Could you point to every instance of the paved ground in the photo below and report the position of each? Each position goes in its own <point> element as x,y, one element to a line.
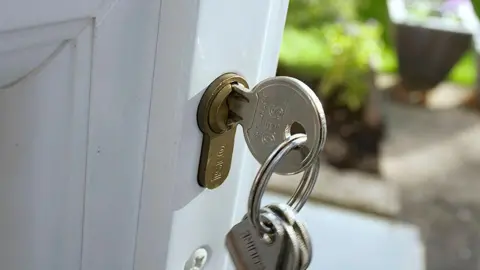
<point>434,157</point>
<point>439,153</point>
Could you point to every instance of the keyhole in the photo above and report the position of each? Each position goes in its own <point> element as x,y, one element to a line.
<point>294,128</point>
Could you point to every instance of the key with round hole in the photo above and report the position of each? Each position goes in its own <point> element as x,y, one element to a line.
<point>270,112</point>
<point>273,110</point>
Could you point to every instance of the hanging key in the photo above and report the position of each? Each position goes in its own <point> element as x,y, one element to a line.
<point>277,250</point>
<point>288,215</point>
<point>291,247</point>
<point>249,250</point>
<point>296,250</point>
<point>270,112</point>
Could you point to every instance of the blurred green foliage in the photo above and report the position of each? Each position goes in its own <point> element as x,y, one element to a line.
<point>317,42</point>
<point>338,53</point>
<point>314,13</point>
<point>326,39</point>
<point>476,6</point>
<point>376,10</point>
<point>465,71</point>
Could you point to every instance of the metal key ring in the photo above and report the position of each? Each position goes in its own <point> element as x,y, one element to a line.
<point>301,194</point>
<point>304,189</point>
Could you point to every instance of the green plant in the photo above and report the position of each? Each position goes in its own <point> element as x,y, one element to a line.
<point>378,11</point>
<point>476,7</point>
<point>352,47</point>
<point>314,13</point>
<point>323,38</point>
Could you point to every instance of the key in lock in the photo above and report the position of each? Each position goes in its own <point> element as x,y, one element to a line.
<point>270,112</point>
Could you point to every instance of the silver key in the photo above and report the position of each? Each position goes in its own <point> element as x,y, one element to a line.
<point>293,246</point>
<point>288,215</point>
<point>273,110</point>
<point>250,251</point>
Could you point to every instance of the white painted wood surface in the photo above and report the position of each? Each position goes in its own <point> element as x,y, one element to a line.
<point>211,45</point>
<point>44,94</point>
<point>75,94</point>
<point>98,133</point>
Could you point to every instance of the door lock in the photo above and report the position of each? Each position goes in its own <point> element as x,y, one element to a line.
<point>272,111</point>
<point>218,131</point>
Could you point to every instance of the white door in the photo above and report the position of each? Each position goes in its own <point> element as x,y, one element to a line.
<point>99,145</point>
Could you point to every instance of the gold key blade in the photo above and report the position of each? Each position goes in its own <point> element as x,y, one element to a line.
<point>218,133</point>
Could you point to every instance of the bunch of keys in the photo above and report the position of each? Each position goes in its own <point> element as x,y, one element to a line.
<point>272,238</point>
<point>287,246</point>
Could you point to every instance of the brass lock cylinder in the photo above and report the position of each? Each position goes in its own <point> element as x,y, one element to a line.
<point>218,131</point>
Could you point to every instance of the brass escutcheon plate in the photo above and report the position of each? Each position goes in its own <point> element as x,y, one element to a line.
<point>218,136</point>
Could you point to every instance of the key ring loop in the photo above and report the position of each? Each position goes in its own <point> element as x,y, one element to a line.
<point>301,194</point>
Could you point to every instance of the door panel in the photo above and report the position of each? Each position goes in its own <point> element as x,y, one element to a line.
<point>212,37</point>
<point>122,70</point>
<point>18,14</point>
<point>44,91</point>
<point>94,211</point>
